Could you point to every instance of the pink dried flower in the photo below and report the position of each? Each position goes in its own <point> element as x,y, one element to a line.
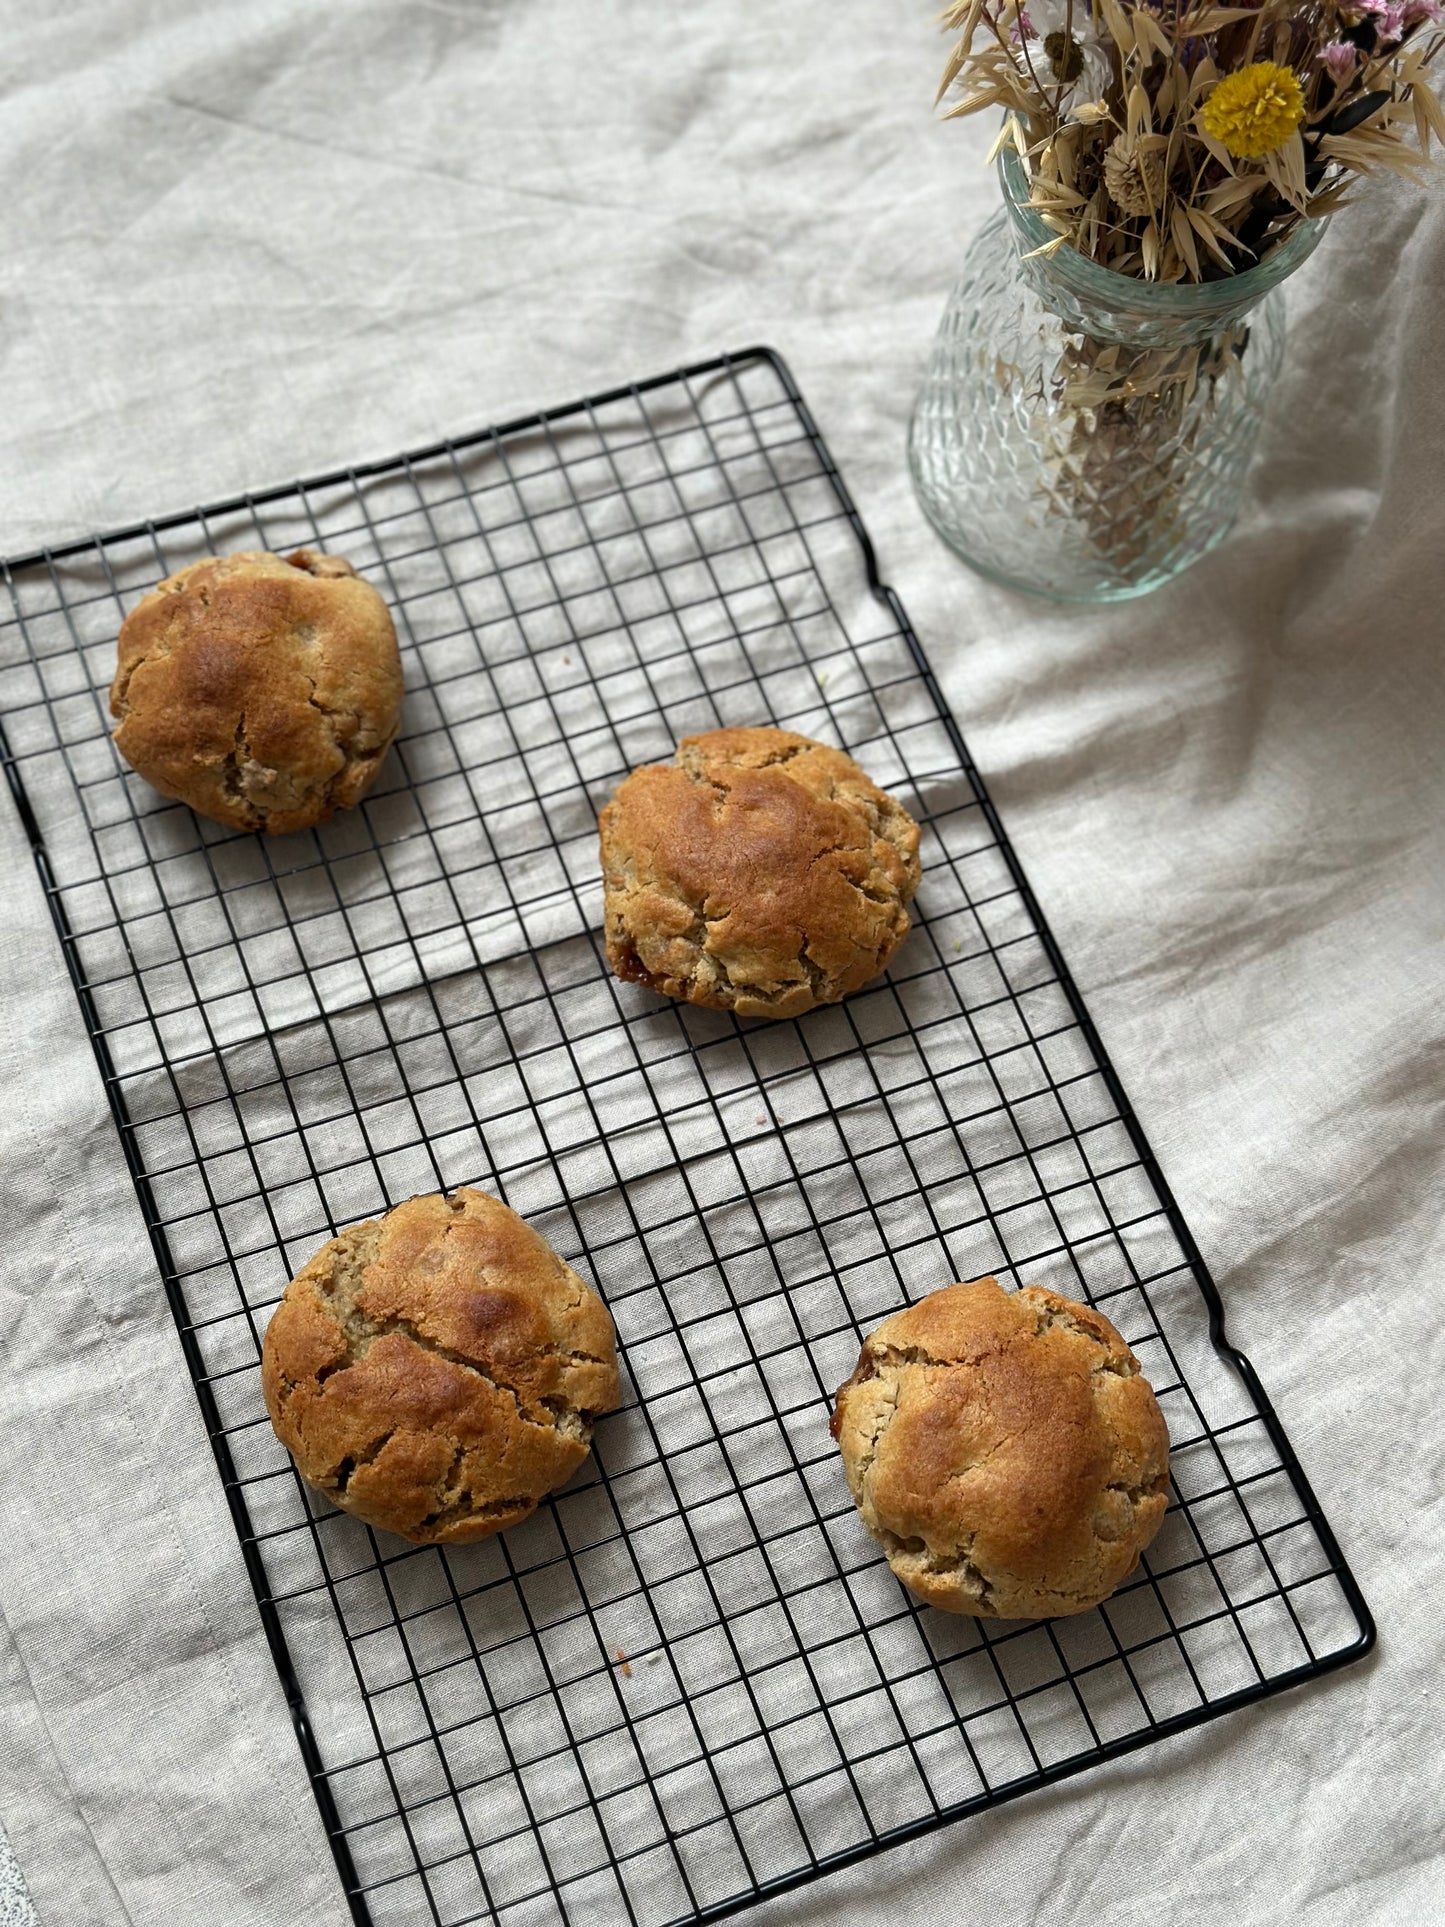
<point>1388,15</point>
<point>1339,59</point>
<point>1418,10</point>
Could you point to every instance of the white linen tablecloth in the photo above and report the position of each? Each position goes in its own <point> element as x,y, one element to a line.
<point>248,242</point>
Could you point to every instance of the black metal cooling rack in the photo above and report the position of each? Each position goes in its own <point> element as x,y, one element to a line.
<point>690,1680</point>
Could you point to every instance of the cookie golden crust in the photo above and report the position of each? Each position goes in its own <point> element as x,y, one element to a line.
<point>759,872</point>
<point>435,1372</point>
<point>1005,1451</point>
<point>263,692</point>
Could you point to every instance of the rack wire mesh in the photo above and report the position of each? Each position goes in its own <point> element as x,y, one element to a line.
<point>689,1680</point>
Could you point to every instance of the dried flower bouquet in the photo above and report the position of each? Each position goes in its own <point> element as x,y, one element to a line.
<point>1182,142</point>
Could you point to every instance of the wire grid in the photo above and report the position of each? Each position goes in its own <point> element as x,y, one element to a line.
<point>690,1679</point>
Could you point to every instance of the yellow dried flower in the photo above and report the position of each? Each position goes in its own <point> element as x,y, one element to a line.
<point>1255,110</point>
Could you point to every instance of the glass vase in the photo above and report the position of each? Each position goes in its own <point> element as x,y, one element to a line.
<point>1083,434</point>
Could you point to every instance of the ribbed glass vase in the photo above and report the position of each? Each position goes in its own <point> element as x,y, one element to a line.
<point>1083,434</point>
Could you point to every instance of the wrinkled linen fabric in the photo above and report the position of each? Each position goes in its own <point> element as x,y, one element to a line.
<point>246,243</point>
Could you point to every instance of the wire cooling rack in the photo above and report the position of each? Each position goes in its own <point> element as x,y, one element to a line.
<point>689,1680</point>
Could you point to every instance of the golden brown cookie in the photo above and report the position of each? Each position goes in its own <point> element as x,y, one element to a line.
<point>1005,1451</point>
<point>262,692</point>
<point>436,1371</point>
<point>759,872</point>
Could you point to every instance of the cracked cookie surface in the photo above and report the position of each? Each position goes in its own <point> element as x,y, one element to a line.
<point>436,1371</point>
<point>759,872</point>
<point>263,692</point>
<point>1005,1450</point>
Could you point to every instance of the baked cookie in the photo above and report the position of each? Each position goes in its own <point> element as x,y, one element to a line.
<point>759,872</point>
<point>436,1371</point>
<point>1005,1451</point>
<point>262,692</point>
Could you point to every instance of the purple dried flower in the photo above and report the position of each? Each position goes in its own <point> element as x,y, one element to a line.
<point>1418,10</point>
<point>1339,59</point>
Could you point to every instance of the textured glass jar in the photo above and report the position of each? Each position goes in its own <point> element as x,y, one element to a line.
<point>1083,434</point>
